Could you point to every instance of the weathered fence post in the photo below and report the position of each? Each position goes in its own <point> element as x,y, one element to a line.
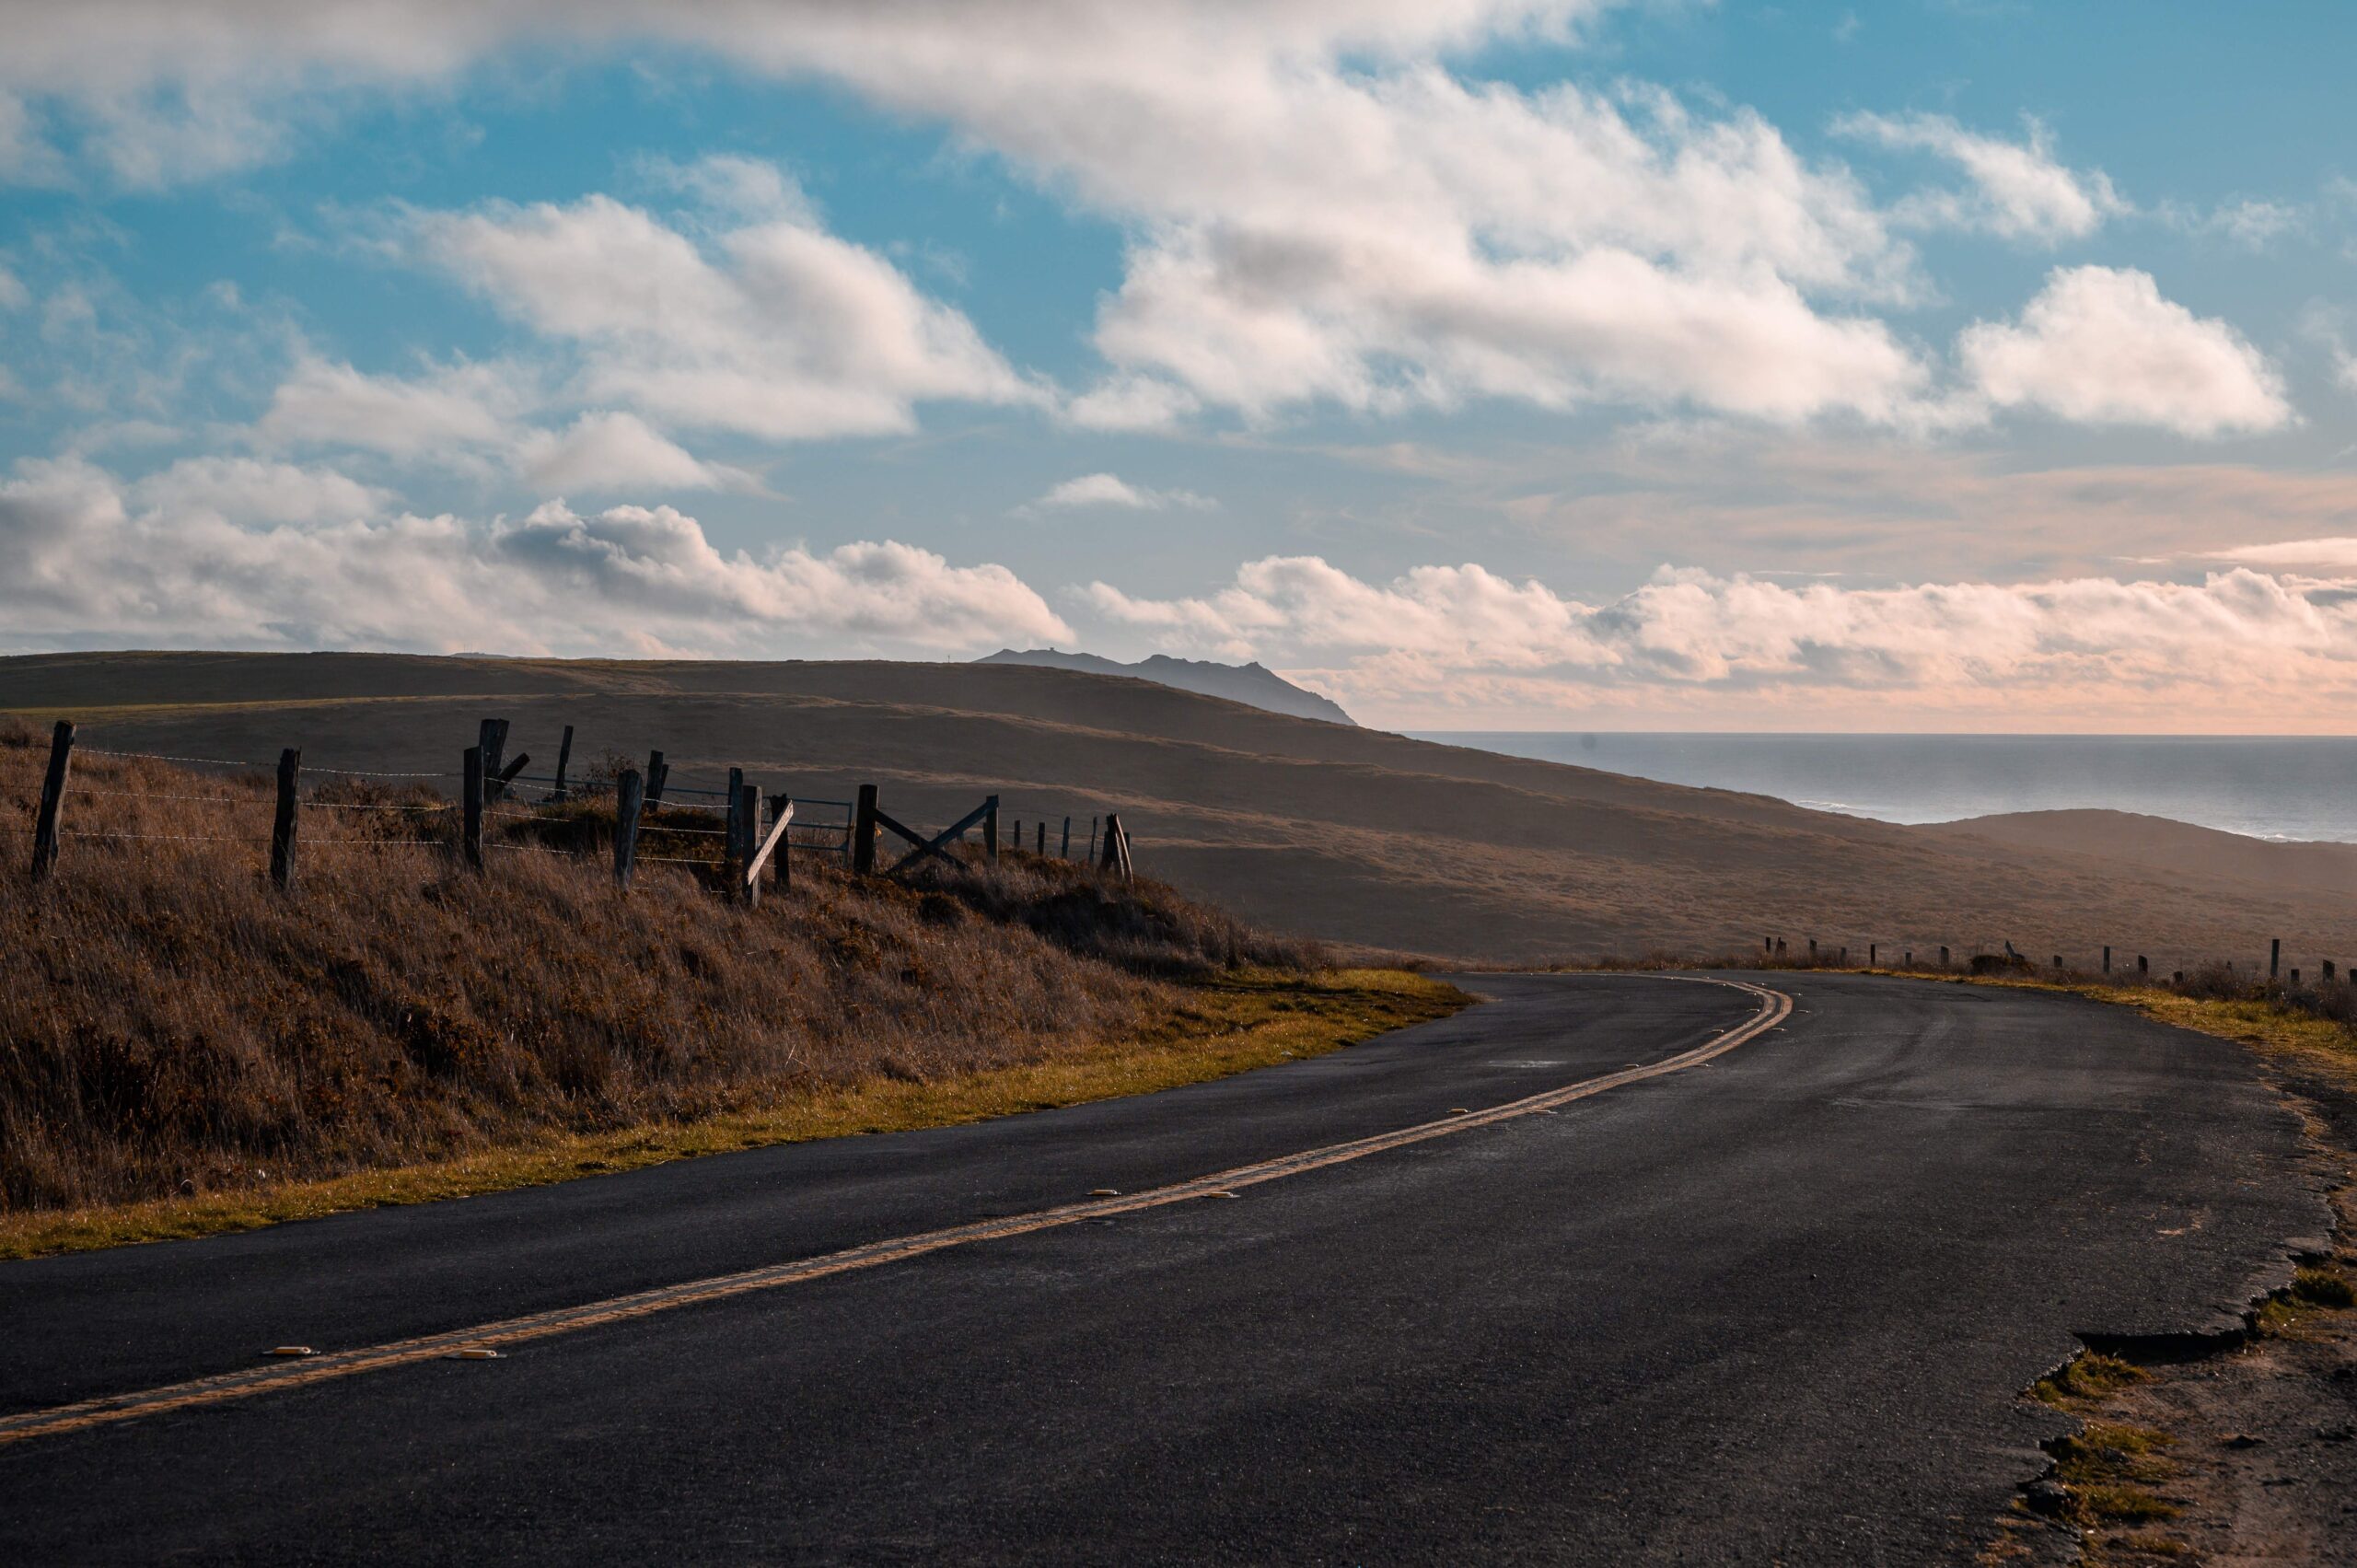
<point>2143,965</point>
<point>1043,850</point>
<point>1944,957</point>
<point>470,806</point>
<point>2106,957</point>
<point>53,798</point>
<point>990,828</point>
<point>2058,960</point>
<point>657,773</point>
<point>630,795</point>
<point>1812,949</point>
<point>733,852</point>
<point>1092,841</point>
<point>563,755</point>
<point>781,809</point>
<point>1018,840</point>
<point>1065,853</point>
<point>1910,957</point>
<point>492,739</point>
<point>1766,944</point>
<point>1873,949</point>
<point>863,832</point>
<point>282,828</point>
<point>1117,847</point>
<point>2328,970</point>
<point>2274,958</point>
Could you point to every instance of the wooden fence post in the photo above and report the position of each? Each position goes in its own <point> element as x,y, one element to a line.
<point>1043,850</point>
<point>990,828</point>
<point>630,795</point>
<point>1065,853</point>
<point>2143,965</point>
<point>1018,835</point>
<point>2106,957</point>
<point>1872,948</point>
<point>1944,957</point>
<point>782,806</point>
<point>563,755</point>
<point>53,798</point>
<point>732,844</point>
<point>470,806</point>
<point>1117,847</point>
<point>492,739</point>
<point>2274,958</point>
<point>657,771</point>
<point>1910,957</point>
<point>282,830</point>
<point>862,833</point>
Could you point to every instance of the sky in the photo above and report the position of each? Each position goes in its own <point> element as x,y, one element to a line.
<point>1932,365</point>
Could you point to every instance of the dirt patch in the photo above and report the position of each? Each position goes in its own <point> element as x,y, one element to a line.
<point>2247,1455</point>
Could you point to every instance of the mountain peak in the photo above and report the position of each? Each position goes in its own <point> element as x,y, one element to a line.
<point>1253,684</point>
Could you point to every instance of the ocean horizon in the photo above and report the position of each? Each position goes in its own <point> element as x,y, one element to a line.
<point>2276,787</point>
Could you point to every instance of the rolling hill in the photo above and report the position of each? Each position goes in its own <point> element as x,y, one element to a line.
<point>1350,834</point>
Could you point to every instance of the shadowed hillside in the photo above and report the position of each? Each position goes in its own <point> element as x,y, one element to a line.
<point>1331,830</point>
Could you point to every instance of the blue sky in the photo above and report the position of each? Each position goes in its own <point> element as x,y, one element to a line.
<point>1487,363</point>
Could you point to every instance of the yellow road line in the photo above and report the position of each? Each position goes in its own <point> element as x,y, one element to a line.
<point>1774,1006</point>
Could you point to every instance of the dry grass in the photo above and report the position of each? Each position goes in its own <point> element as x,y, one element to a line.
<point>174,1026</point>
<point>1222,1026</point>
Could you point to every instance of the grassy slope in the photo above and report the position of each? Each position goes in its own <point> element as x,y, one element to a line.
<point>178,1037</point>
<point>1212,1029</point>
<point>1350,834</point>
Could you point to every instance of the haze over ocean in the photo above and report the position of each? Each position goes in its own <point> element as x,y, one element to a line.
<point>2269,787</point>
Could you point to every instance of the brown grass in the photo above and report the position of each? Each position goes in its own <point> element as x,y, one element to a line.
<point>173,1026</point>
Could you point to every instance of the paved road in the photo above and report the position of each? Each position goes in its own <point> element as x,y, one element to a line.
<point>1775,1307</point>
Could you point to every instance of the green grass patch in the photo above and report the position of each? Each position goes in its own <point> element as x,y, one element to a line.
<point>1221,1027</point>
<point>2089,1377</point>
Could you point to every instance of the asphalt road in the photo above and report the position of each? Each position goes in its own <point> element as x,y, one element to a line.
<point>1777,1307</point>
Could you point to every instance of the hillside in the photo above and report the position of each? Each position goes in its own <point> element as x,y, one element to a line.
<point>1322,828</point>
<point>1254,684</point>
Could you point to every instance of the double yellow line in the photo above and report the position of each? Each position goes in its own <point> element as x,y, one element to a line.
<point>1774,1006</point>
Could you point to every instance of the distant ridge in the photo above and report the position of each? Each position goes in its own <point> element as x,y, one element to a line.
<point>1254,683</point>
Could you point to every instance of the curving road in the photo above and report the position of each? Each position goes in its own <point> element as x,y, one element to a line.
<point>1770,1296</point>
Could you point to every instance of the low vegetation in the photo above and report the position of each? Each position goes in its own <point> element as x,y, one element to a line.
<point>176,1033</point>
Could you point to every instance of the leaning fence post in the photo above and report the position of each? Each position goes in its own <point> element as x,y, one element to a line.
<point>630,794</point>
<point>863,832</point>
<point>53,798</point>
<point>282,830</point>
<point>990,828</point>
<point>470,806</point>
<point>563,755</point>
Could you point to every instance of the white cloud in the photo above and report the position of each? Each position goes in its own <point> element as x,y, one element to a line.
<point>2100,346</point>
<point>13,295</point>
<point>1444,635</point>
<point>250,491</point>
<point>80,554</point>
<point>2338,553</point>
<point>324,403</point>
<point>781,330</point>
<point>615,451</point>
<point>1131,402</point>
<point>2017,189</point>
<point>1111,490</point>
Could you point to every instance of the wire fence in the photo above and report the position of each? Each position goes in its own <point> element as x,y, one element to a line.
<point>631,815</point>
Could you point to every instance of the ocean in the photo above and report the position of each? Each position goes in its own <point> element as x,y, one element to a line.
<point>2268,787</point>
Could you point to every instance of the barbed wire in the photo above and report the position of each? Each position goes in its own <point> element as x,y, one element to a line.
<point>146,795</point>
<point>159,757</point>
<point>371,805</point>
<point>171,838</point>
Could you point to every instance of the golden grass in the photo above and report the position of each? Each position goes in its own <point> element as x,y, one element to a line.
<point>1217,1027</point>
